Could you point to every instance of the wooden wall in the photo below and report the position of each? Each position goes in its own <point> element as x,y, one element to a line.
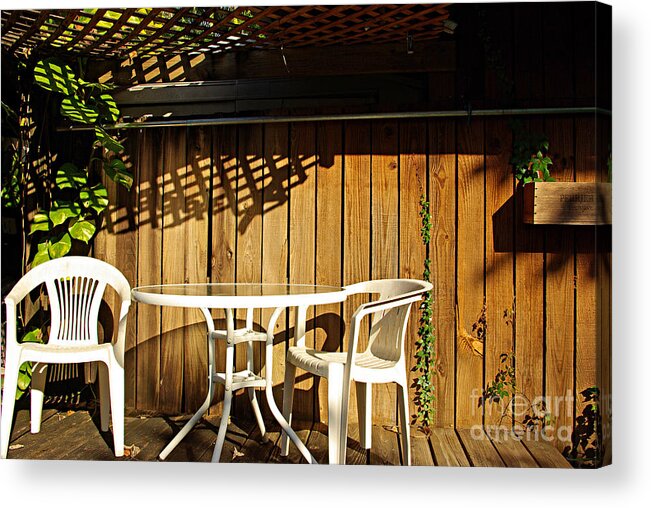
<point>336,203</point>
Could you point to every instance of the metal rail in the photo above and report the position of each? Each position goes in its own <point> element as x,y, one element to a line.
<point>350,116</point>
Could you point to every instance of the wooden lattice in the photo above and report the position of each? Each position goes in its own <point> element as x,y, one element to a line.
<point>117,33</point>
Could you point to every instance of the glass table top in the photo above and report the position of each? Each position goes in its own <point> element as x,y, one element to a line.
<point>234,290</point>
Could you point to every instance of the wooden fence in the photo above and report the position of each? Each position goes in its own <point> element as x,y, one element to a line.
<point>338,202</point>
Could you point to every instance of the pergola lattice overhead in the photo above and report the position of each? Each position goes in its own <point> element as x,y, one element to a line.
<point>118,33</point>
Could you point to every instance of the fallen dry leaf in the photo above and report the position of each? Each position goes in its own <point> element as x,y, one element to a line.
<point>16,446</point>
<point>131,451</point>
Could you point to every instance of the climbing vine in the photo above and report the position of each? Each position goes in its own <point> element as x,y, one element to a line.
<point>425,344</point>
<point>60,203</point>
<point>77,205</point>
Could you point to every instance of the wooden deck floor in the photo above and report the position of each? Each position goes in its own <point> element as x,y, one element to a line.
<point>75,435</point>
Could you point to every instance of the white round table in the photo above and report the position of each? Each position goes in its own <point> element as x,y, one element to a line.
<point>231,296</point>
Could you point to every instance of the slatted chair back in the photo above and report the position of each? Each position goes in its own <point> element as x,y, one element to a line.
<point>388,322</point>
<point>75,288</point>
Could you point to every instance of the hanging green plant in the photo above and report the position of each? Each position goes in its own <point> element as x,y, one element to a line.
<point>74,213</point>
<point>530,159</point>
<point>425,396</point>
<point>70,201</point>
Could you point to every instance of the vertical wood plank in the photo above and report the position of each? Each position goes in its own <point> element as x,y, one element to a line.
<point>529,242</point>
<point>529,305</point>
<point>498,26</point>
<point>499,259</point>
<point>357,222</point>
<point>584,44</point>
<point>149,262</point>
<point>250,196</point>
<point>302,248</point>
<point>275,237</point>
<point>558,60</point>
<point>442,188</point>
<point>604,284</point>
<point>329,180</point>
<point>174,235</point>
<point>384,236</point>
<point>197,206</point>
<point>559,295</point>
<point>528,54</point>
<point>412,185</point>
<point>117,244</point>
<point>124,240</point>
<point>470,268</point>
<point>224,224</point>
<point>587,337</point>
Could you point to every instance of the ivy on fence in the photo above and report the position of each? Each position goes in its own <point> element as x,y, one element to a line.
<point>425,344</point>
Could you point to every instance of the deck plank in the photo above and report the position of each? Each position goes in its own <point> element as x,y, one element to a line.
<point>385,447</point>
<point>421,454</point>
<point>58,434</point>
<point>546,455</point>
<point>76,436</point>
<point>481,452</point>
<point>317,443</point>
<point>255,449</point>
<point>22,423</point>
<point>302,429</point>
<point>238,434</point>
<point>513,452</point>
<point>355,454</point>
<point>447,448</point>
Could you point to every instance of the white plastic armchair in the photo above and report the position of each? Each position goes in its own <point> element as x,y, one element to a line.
<point>383,361</point>
<point>75,287</point>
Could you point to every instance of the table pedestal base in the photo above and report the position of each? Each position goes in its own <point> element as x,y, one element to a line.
<point>244,379</point>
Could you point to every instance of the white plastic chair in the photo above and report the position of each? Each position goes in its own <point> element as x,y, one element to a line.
<point>75,287</point>
<point>383,361</point>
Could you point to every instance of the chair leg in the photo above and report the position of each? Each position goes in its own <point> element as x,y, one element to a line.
<point>364,398</point>
<point>335,392</point>
<point>39,378</point>
<point>288,401</point>
<point>104,396</point>
<point>403,412</point>
<point>8,403</point>
<point>116,381</point>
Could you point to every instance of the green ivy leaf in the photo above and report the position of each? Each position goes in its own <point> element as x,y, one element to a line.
<point>70,176</point>
<point>55,76</point>
<point>35,335</point>
<point>60,247</point>
<point>40,222</point>
<point>83,230</point>
<point>108,108</point>
<point>107,141</point>
<point>25,376</point>
<point>96,197</point>
<point>62,211</point>
<point>42,255</point>
<point>117,171</point>
<point>76,110</point>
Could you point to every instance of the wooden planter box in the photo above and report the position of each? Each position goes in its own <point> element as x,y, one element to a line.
<point>575,203</point>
